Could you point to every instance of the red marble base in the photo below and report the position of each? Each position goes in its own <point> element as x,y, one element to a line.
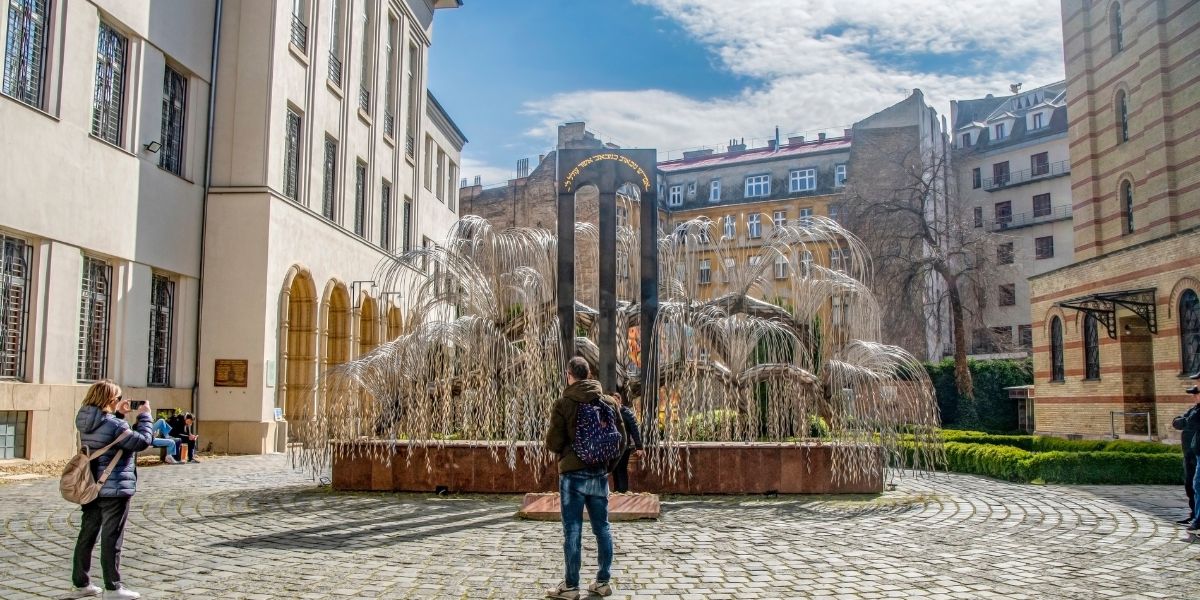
<point>621,507</point>
<point>713,468</point>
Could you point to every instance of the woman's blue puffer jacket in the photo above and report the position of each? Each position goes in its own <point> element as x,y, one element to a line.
<point>98,429</point>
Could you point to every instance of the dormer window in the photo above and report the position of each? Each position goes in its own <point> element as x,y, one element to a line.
<point>1037,121</point>
<point>966,139</point>
<point>999,131</point>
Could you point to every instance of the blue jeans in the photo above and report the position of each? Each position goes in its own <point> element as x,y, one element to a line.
<point>168,443</point>
<point>1196,507</point>
<point>576,489</point>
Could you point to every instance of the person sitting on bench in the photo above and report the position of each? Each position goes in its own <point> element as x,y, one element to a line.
<point>161,428</point>
<point>183,427</point>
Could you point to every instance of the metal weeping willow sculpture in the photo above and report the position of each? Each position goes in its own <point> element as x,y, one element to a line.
<point>784,354</point>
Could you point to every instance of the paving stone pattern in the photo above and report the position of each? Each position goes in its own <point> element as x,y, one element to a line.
<point>251,528</point>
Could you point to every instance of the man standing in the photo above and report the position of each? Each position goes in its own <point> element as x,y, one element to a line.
<point>1189,424</point>
<point>580,484</point>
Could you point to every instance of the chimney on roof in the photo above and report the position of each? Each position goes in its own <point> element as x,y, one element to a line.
<point>821,137</point>
<point>771,144</point>
<point>737,146</point>
<point>845,133</point>
<point>690,154</point>
<point>795,139</point>
<point>462,182</point>
<point>541,158</point>
<point>478,180</point>
<point>522,167</point>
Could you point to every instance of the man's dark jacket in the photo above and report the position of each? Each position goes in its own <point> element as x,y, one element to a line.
<point>1189,423</point>
<point>562,422</point>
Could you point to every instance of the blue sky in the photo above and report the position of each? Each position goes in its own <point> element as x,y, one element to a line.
<point>675,74</point>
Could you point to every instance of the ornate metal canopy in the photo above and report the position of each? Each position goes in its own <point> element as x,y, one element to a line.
<point>1103,307</point>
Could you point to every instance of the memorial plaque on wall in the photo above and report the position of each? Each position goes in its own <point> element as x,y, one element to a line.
<point>230,372</point>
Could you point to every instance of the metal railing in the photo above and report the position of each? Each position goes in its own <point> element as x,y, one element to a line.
<point>410,145</point>
<point>1056,213</point>
<point>364,99</point>
<point>389,124</point>
<point>335,69</point>
<point>299,33</point>
<point>1045,171</point>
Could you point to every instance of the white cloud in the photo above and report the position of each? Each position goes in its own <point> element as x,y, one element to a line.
<point>824,64</point>
<point>488,173</point>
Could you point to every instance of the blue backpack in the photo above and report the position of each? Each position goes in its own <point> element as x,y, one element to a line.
<point>597,438</point>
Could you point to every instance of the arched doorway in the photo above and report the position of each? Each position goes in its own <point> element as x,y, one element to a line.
<point>368,325</point>
<point>298,334</point>
<point>395,324</point>
<point>336,328</point>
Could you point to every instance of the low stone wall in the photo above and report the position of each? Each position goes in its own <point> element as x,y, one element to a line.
<point>713,468</point>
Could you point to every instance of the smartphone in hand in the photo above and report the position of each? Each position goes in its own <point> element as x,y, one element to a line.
<point>136,404</point>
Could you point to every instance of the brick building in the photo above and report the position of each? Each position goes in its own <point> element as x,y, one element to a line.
<point>1012,165</point>
<point>1118,331</point>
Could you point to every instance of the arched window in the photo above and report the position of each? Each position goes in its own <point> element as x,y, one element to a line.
<point>1189,332</point>
<point>1116,30</point>
<point>1056,350</point>
<point>1091,348</point>
<point>1127,205</point>
<point>1122,110</point>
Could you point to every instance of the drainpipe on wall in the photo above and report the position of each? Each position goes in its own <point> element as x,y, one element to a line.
<point>208,153</point>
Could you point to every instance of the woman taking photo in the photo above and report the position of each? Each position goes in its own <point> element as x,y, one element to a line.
<point>100,421</point>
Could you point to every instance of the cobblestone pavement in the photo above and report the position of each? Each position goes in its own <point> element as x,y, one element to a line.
<point>251,528</point>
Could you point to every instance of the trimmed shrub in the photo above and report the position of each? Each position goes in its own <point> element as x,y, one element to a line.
<point>708,426</point>
<point>991,409</point>
<point>1105,468</point>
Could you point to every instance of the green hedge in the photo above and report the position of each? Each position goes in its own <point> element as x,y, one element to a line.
<point>1039,443</point>
<point>991,409</point>
<point>1061,466</point>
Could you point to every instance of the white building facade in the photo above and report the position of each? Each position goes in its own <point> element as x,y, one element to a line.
<point>1012,162</point>
<point>218,278</point>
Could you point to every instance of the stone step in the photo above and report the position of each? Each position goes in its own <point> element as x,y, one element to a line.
<point>621,507</point>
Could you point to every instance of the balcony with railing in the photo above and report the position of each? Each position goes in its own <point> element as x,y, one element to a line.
<point>1045,171</point>
<point>335,69</point>
<point>299,33</point>
<point>364,99</point>
<point>1056,213</point>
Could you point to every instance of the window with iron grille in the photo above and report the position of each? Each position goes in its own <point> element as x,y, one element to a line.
<point>1056,350</point>
<point>108,101</point>
<point>1041,205</point>
<point>94,303</point>
<point>360,199</point>
<point>1043,247</point>
<point>385,216</point>
<point>25,51</point>
<point>162,319</point>
<point>173,116</point>
<point>1189,332</point>
<point>389,94</point>
<point>335,42</point>
<point>15,257</point>
<point>1008,294</point>
<point>413,101</point>
<point>1004,253</point>
<point>367,59</point>
<point>705,270</point>
<point>300,24</point>
<point>1091,348</point>
<point>1123,116</point>
<point>408,224</point>
<point>14,425</point>
<point>328,196</point>
<point>291,156</point>
<point>1127,205</point>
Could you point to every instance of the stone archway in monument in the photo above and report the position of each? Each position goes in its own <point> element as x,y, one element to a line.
<point>298,344</point>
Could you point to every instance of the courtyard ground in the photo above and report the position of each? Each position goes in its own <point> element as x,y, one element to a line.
<point>252,528</point>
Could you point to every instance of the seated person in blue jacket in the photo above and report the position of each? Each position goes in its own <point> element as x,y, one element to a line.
<point>163,439</point>
<point>184,428</point>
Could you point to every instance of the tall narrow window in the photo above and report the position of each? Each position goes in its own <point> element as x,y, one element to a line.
<point>1056,350</point>
<point>1000,174</point>
<point>727,272</point>
<point>367,59</point>
<point>360,199</point>
<point>174,116</point>
<point>1003,212</point>
<point>440,177</point>
<point>781,267</point>
<point>451,185</point>
<point>1041,205</point>
<point>806,260</point>
<point>25,52</point>
<point>730,226</point>
<point>839,175</point>
<point>966,140</point>
<point>1008,294</point>
<point>385,216</point>
<point>94,304</point>
<point>429,163</point>
<point>408,224</point>
<point>336,35</point>
<point>108,101</point>
<point>714,190</point>
<point>162,309</point>
<point>1091,348</point>
<point>1004,253</point>
<point>1116,28</point>
<point>705,270</point>
<point>806,216</point>
<point>1127,205</point>
<point>291,156</point>
<point>329,193</point>
<point>389,79</point>
<point>1037,121</point>
<point>1039,164</point>
<point>999,129</point>
<point>15,257</point>
<point>754,225</point>
<point>300,25</point>
<point>1189,332</point>
<point>675,196</point>
<point>978,214</point>
<point>976,178</point>
<point>1122,117</point>
<point>413,101</point>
